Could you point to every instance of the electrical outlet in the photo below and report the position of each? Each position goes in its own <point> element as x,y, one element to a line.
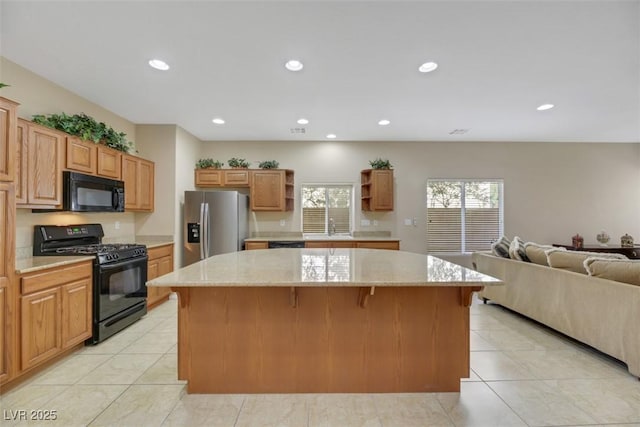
<point>365,222</point>
<point>117,225</point>
<point>282,223</point>
<point>375,222</point>
<point>408,222</point>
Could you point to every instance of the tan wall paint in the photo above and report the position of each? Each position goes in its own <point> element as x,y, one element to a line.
<point>37,95</point>
<point>552,190</point>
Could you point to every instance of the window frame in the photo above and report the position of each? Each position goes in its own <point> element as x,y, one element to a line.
<point>326,185</point>
<point>463,181</point>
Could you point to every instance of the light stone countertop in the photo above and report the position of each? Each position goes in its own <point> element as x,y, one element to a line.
<point>327,267</point>
<point>35,263</point>
<point>148,241</point>
<point>334,238</point>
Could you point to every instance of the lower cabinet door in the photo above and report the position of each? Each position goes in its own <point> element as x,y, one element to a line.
<point>41,332</point>
<point>76,312</point>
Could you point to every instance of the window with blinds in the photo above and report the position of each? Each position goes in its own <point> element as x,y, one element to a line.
<point>463,215</point>
<point>321,203</point>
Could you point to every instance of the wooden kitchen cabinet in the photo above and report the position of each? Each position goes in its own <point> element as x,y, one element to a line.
<point>8,318</point>
<point>255,245</point>
<point>376,189</point>
<point>160,263</point>
<point>82,156</point>
<point>55,311</point>
<point>379,244</point>
<point>93,159</point>
<point>138,175</point>
<point>40,155</point>
<point>222,177</point>
<point>271,190</point>
<point>109,164</point>
<point>8,121</point>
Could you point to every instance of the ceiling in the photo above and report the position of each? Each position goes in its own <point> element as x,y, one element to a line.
<point>498,61</point>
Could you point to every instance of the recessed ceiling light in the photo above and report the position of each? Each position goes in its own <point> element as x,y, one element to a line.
<point>293,65</point>
<point>384,122</point>
<point>545,107</point>
<point>159,64</point>
<point>331,136</point>
<point>218,121</point>
<point>427,67</point>
<point>303,121</point>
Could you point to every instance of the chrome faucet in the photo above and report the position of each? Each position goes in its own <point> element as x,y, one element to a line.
<point>332,227</point>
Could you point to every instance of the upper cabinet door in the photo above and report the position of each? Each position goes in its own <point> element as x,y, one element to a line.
<point>138,176</point>
<point>8,131</point>
<point>109,162</point>
<point>44,171</point>
<point>81,155</point>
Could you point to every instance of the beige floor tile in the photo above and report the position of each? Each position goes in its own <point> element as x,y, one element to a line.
<point>78,405</point>
<point>560,364</point>
<point>408,410</point>
<point>541,403</point>
<point>114,344</point>
<point>606,400</point>
<point>121,369</point>
<point>480,344</point>
<point>328,410</point>
<point>152,343</point>
<point>472,376</point>
<point>72,369</point>
<point>173,350</point>
<point>497,365</point>
<point>273,410</point>
<point>168,325</point>
<point>164,371</point>
<point>210,410</point>
<point>27,398</point>
<point>144,325</point>
<point>485,322</point>
<point>477,405</point>
<point>141,405</point>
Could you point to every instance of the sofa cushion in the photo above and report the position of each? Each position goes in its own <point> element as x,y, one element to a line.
<point>574,260</point>
<point>620,270</point>
<point>535,252</point>
<point>501,247</point>
<point>516,250</point>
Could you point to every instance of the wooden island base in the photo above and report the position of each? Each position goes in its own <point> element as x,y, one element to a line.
<point>323,339</point>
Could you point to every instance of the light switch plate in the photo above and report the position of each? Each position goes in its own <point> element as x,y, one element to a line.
<point>407,221</point>
<point>365,222</point>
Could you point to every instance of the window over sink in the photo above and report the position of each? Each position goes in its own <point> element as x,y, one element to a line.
<point>327,208</point>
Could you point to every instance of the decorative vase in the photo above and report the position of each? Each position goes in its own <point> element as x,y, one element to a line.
<point>577,241</point>
<point>626,241</point>
<point>603,238</point>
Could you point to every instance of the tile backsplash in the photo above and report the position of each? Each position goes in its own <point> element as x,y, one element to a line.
<point>115,225</point>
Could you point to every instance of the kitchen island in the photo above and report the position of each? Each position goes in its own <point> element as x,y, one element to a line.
<point>323,321</point>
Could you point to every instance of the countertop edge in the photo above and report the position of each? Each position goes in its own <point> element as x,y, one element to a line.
<point>37,263</point>
<point>214,285</point>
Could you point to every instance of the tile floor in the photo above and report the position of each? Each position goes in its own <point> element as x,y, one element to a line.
<point>523,374</point>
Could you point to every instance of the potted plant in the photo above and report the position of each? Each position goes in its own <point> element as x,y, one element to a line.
<point>209,163</point>
<point>236,163</point>
<point>268,164</point>
<point>379,163</point>
<point>87,128</point>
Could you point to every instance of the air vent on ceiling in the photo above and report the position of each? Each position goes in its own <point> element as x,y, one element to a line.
<point>298,130</point>
<point>458,131</point>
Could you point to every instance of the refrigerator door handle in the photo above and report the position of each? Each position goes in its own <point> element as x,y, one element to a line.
<point>202,236</point>
<point>207,227</point>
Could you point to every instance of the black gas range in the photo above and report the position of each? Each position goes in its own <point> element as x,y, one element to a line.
<point>119,273</point>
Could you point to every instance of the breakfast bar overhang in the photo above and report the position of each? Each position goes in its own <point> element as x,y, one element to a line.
<point>323,321</point>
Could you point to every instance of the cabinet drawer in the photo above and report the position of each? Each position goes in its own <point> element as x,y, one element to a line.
<point>32,282</point>
<point>159,252</point>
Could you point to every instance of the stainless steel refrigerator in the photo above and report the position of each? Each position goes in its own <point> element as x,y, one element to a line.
<point>215,222</point>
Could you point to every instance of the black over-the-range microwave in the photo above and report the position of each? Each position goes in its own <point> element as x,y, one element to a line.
<point>87,193</point>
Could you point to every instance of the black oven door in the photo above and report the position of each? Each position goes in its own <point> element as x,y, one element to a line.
<point>120,286</point>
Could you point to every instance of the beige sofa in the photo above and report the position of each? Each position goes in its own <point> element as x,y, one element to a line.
<point>602,313</point>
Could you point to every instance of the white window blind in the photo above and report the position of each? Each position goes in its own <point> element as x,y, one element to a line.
<point>320,203</point>
<point>463,215</point>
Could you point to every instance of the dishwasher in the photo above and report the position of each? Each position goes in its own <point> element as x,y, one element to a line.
<point>286,244</point>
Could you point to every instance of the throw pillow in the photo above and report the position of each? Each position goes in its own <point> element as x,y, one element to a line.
<point>500,247</point>
<point>620,270</point>
<point>516,250</point>
<point>535,252</point>
<point>574,260</point>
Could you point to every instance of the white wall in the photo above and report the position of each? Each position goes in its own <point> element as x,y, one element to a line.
<point>552,190</point>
